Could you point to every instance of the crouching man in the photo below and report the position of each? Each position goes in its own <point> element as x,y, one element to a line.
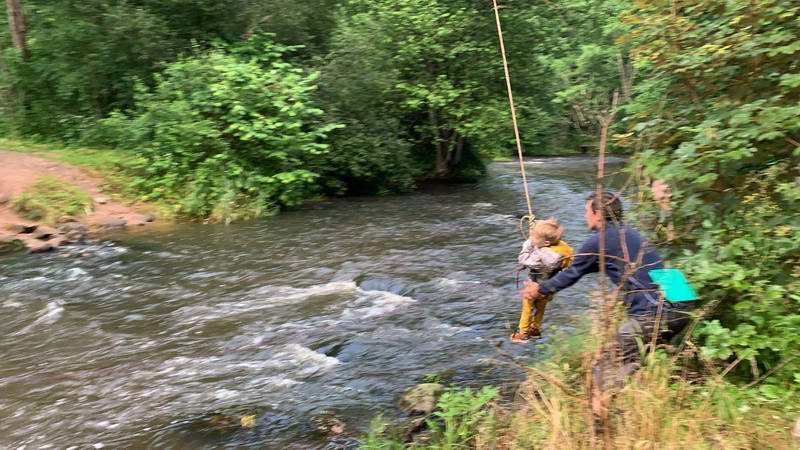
<point>627,256</point>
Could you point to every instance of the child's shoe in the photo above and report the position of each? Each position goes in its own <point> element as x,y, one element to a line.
<point>520,337</point>
<point>525,336</point>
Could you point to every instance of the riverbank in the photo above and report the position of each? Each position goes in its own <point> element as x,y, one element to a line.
<point>670,403</point>
<point>51,197</point>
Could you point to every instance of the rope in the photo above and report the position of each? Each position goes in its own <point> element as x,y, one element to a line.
<point>530,217</point>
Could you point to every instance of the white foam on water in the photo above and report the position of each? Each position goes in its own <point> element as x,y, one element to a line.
<point>449,282</point>
<point>502,219</point>
<point>225,394</point>
<point>304,356</point>
<point>379,303</point>
<point>483,205</point>
<point>288,293</point>
<point>447,329</point>
<point>75,274</point>
<point>262,298</point>
<point>51,314</point>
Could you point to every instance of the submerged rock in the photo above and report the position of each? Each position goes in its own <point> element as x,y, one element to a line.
<point>219,421</point>
<point>326,422</point>
<point>422,398</point>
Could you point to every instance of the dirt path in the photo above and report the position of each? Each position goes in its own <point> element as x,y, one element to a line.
<point>18,171</point>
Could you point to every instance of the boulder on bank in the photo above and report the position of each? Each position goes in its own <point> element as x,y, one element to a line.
<point>40,246</point>
<point>19,228</point>
<point>44,233</point>
<point>74,232</point>
<point>10,244</point>
<point>112,224</point>
<point>422,398</point>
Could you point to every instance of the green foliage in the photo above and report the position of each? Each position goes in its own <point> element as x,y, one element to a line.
<point>378,439</point>
<point>50,198</point>
<point>226,134</point>
<point>721,127</point>
<point>455,423</point>
<point>85,58</point>
<point>417,100</point>
<point>579,65</point>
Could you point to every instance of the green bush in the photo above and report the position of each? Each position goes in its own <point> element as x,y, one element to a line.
<point>454,425</point>
<point>720,124</point>
<point>51,198</point>
<point>226,134</point>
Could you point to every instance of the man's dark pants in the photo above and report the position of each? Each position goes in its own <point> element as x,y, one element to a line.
<point>635,333</point>
<point>638,331</point>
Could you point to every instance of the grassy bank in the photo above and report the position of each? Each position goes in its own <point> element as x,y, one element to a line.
<point>676,401</point>
<point>102,162</point>
<point>109,166</point>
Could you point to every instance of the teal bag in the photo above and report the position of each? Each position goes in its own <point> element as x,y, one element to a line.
<point>674,285</point>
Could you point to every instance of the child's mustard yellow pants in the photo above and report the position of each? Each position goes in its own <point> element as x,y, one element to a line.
<point>536,307</point>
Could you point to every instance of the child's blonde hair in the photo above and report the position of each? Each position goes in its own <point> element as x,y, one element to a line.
<point>549,230</point>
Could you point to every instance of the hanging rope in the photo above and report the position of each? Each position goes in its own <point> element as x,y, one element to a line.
<point>530,217</point>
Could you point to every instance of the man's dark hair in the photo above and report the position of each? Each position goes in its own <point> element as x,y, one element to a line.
<point>612,206</point>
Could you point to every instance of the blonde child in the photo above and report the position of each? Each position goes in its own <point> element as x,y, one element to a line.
<point>544,254</point>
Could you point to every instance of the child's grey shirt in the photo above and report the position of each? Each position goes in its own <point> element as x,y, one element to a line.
<point>541,261</point>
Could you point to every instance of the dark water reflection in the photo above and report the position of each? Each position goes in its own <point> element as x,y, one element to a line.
<point>335,308</point>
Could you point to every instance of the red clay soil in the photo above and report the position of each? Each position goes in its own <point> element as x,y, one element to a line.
<point>19,171</point>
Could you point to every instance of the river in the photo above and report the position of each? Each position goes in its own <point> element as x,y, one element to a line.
<point>333,309</point>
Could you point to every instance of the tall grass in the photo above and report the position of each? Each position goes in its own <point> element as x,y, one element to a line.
<point>677,400</point>
<point>665,405</point>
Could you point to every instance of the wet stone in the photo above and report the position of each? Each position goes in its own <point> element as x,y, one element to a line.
<point>44,233</point>
<point>326,422</point>
<point>422,398</point>
<point>40,247</point>
<point>67,219</point>
<point>16,228</point>
<point>113,224</point>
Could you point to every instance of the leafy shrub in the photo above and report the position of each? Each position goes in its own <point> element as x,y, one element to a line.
<point>460,412</point>
<point>721,126</point>
<point>51,198</point>
<point>455,424</point>
<point>226,134</point>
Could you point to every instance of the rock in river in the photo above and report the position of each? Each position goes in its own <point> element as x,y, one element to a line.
<point>422,398</point>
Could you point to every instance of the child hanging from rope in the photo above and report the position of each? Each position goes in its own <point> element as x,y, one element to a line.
<point>544,254</point>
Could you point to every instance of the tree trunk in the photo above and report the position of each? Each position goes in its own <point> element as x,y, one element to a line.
<point>459,151</point>
<point>16,23</point>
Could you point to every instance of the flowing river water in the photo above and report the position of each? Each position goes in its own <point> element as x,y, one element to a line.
<point>331,310</point>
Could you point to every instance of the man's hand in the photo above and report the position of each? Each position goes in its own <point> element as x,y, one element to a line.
<point>530,291</point>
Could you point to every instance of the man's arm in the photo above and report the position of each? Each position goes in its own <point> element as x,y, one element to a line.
<point>584,263</point>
